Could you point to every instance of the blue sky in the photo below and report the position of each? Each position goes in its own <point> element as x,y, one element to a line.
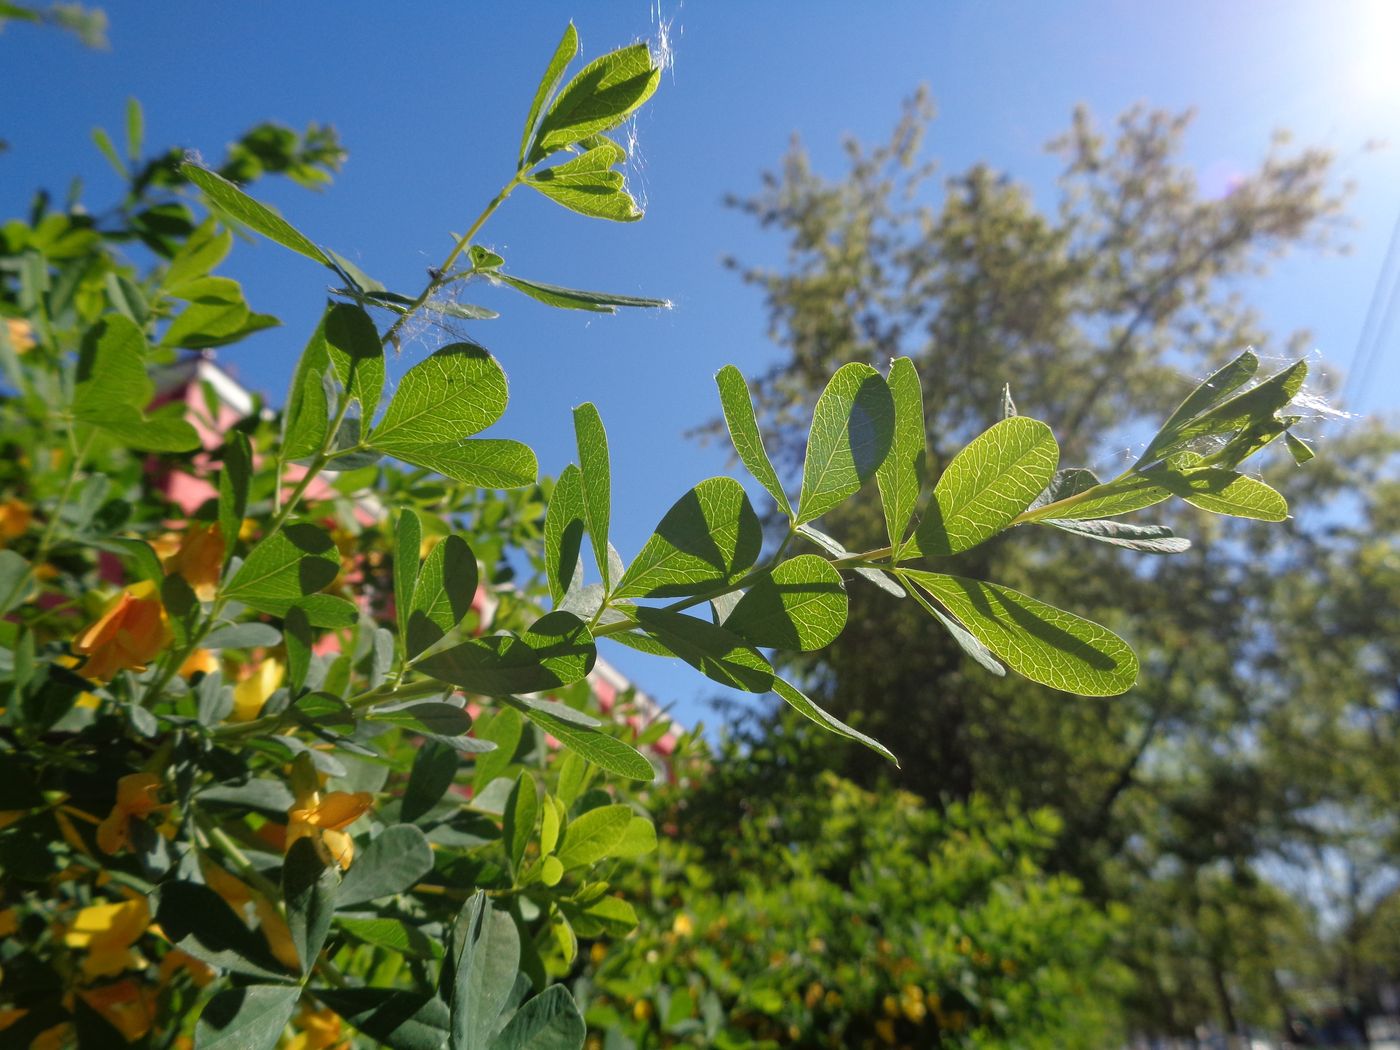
<point>429,99</point>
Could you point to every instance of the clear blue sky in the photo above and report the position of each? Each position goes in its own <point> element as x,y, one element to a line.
<point>429,99</point>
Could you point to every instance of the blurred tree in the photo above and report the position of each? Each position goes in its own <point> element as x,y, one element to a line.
<point>1265,720</point>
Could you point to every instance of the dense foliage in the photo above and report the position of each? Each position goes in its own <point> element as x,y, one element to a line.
<point>287,740</point>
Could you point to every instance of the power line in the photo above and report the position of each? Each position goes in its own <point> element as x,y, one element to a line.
<point>1367,353</point>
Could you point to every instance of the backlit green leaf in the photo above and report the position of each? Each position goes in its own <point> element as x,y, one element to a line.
<point>494,463</point>
<point>595,467</point>
<point>714,651</point>
<point>574,298</point>
<point>356,355</point>
<point>739,416</point>
<point>605,751</point>
<point>987,485</point>
<point>454,393</point>
<point>564,527</point>
<point>599,97</point>
<point>299,560</point>
<point>237,205</point>
<point>594,835</point>
<point>1227,492</point>
<point>556,650</point>
<point>443,595</point>
<point>899,475</point>
<point>565,53</point>
<point>408,541</point>
<point>589,185</point>
<point>852,429</point>
<point>1043,643</point>
<point>801,702</point>
<point>710,537</point>
<point>800,605</point>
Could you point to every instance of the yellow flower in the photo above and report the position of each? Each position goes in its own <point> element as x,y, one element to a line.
<point>131,631</point>
<point>9,922</point>
<point>14,519</point>
<point>642,1011</point>
<point>175,961</point>
<point>10,1014</point>
<point>915,1010</point>
<point>126,1006</point>
<point>199,661</point>
<point>54,1038</point>
<point>21,334</point>
<point>884,1028</point>
<point>199,559</point>
<point>324,818</point>
<point>108,931</point>
<point>598,953</point>
<point>683,926</point>
<point>250,694</point>
<point>319,1030</point>
<point>136,797</point>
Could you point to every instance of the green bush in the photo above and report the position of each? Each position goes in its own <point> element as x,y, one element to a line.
<point>786,906</point>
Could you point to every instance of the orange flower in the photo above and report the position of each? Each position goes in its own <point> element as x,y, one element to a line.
<point>176,961</point>
<point>130,632</point>
<point>237,894</point>
<point>21,334</point>
<point>55,1038</point>
<point>200,559</point>
<point>319,1030</point>
<point>14,519</point>
<point>107,932</point>
<point>201,660</point>
<point>136,797</point>
<point>324,818</point>
<point>250,694</point>
<point>127,1007</point>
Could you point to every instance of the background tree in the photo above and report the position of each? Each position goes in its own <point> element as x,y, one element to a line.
<point>1263,725</point>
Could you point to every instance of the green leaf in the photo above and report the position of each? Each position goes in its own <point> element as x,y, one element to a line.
<point>135,129</point>
<point>574,298</point>
<point>565,53</point>
<point>597,481</point>
<point>1241,412</point>
<point>112,389</point>
<point>599,97</point>
<point>1210,393</point>
<point>483,462</point>
<point>299,560</point>
<point>966,642</point>
<point>556,650</point>
<point>1120,496</point>
<point>638,839</point>
<point>899,475</point>
<point>714,651</point>
<point>297,633</point>
<point>434,769</point>
<point>306,419</point>
<point>328,610</point>
<point>564,527</point>
<point>800,605</point>
<point>435,717</point>
<point>597,746</point>
<point>308,891</point>
<point>196,920</point>
<point>408,540</point>
<point>594,835</point>
<point>249,1018</point>
<point>588,185</point>
<point>396,1019</point>
<point>829,544</point>
<point>485,954</point>
<point>393,862</point>
<point>1043,643</point>
<point>204,324</point>
<point>454,393</point>
<point>550,824</point>
<point>852,429</point>
<point>237,205</point>
<point>1150,539</point>
<point>735,399</point>
<point>1299,449</point>
<point>504,730</point>
<point>103,141</point>
<point>1226,492</point>
<point>802,703</point>
<point>356,355</point>
<point>549,1021</point>
<point>394,935</point>
<point>987,485</point>
<point>443,595</point>
<point>522,810</point>
<point>709,538</point>
<point>234,482</point>
<point>200,253</point>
